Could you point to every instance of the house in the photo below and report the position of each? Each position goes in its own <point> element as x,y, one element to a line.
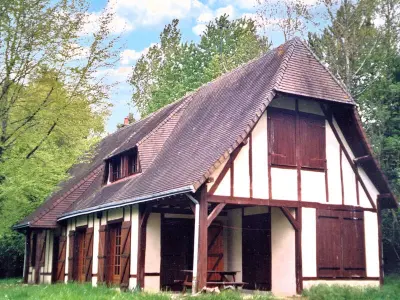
<point>265,172</point>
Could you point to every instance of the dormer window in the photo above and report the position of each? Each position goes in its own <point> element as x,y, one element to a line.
<point>123,165</point>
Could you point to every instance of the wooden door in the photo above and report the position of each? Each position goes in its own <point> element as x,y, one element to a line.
<point>114,259</point>
<point>215,259</point>
<point>59,252</point>
<point>81,257</point>
<point>256,251</point>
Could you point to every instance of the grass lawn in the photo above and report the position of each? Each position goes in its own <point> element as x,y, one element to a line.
<point>13,289</point>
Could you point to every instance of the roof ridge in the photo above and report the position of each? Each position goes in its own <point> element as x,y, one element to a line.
<point>337,80</point>
<point>94,173</point>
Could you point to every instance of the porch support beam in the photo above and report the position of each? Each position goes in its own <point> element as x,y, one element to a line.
<point>298,251</point>
<point>144,213</point>
<point>216,211</point>
<point>295,224</point>
<point>194,204</point>
<point>203,238</point>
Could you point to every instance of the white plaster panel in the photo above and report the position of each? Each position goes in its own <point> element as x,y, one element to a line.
<point>152,283</point>
<point>69,226</point>
<point>313,187</point>
<point>371,243</point>
<point>255,210</point>
<point>283,102</point>
<point>364,201</point>
<point>116,213</point>
<point>234,232</point>
<point>95,259</point>
<point>310,106</point>
<point>241,173</point>
<point>224,188</point>
<point>284,184</point>
<point>134,244</point>
<point>283,255</point>
<point>260,158</point>
<point>81,220</point>
<point>349,183</point>
<point>309,242</point>
<point>333,165</point>
<point>307,284</point>
<point>369,185</point>
<point>153,244</point>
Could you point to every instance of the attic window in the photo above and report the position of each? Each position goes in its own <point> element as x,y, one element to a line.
<point>123,165</point>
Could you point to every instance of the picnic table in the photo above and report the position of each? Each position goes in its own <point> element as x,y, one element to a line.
<point>222,282</point>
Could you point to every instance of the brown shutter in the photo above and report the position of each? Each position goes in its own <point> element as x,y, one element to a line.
<point>102,253</point>
<point>312,142</point>
<point>329,248</point>
<point>215,252</point>
<point>125,253</point>
<point>282,137</point>
<point>40,254</point>
<point>353,244</point>
<point>71,255</point>
<point>89,254</point>
<point>61,255</point>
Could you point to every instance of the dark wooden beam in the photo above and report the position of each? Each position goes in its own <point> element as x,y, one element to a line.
<point>291,219</point>
<point>384,196</point>
<point>362,159</point>
<point>144,213</point>
<point>201,276</point>
<point>240,201</point>
<point>215,212</point>
<point>298,251</point>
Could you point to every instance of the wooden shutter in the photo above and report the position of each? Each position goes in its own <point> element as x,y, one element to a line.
<point>312,142</point>
<point>101,272</point>
<point>125,253</point>
<point>88,254</point>
<point>215,252</point>
<point>71,255</point>
<point>282,137</point>
<point>329,248</point>
<point>61,255</point>
<point>353,244</point>
<point>40,254</point>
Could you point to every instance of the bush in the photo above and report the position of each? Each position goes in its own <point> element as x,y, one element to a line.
<point>12,247</point>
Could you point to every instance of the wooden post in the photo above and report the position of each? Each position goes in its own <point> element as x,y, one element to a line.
<point>299,268</point>
<point>27,255</point>
<point>203,231</point>
<point>144,213</point>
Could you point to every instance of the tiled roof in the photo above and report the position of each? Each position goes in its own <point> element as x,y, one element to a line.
<point>180,145</point>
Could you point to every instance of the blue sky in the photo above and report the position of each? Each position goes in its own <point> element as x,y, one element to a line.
<point>139,22</point>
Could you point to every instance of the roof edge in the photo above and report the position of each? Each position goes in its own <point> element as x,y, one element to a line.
<point>128,201</point>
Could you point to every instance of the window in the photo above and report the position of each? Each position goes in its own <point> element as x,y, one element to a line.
<point>291,131</point>
<point>340,244</point>
<point>33,249</point>
<point>124,165</point>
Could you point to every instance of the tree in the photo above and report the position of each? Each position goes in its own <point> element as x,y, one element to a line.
<point>172,68</point>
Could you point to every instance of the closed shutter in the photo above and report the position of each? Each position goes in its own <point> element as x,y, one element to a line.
<point>329,244</point>
<point>215,259</point>
<point>312,142</point>
<point>282,137</point>
<point>40,254</point>
<point>125,253</point>
<point>101,272</point>
<point>340,244</point>
<point>353,244</point>
<point>71,256</point>
<point>88,254</point>
<point>62,251</point>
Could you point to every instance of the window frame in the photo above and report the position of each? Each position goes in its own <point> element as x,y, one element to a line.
<point>123,163</point>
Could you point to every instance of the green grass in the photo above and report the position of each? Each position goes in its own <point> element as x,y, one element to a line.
<point>13,289</point>
<point>390,290</point>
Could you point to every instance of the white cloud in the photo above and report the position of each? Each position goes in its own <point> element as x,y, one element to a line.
<point>229,10</point>
<point>117,25</point>
<point>245,4</point>
<point>205,17</point>
<point>129,55</point>
<point>199,29</point>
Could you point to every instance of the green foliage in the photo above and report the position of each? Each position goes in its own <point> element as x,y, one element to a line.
<point>390,290</point>
<point>11,254</point>
<point>172,68</point>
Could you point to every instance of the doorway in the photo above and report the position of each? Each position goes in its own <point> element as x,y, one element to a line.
<point>256,251</point>
<point>114,259</point>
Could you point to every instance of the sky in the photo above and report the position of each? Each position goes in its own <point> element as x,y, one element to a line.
<point>139,23</point>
